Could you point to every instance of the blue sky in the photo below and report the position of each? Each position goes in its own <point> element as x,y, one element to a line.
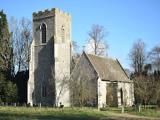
<point>125,20</point>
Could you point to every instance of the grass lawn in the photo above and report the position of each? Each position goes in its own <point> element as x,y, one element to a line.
<point>150,113</point>
<point>145,112</point>
<point>23,113</point>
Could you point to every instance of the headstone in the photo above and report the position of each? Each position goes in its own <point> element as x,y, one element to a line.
<point>122,109</point>
<point>40,105</point>
<point>14,104</point>
<point>139,108</point>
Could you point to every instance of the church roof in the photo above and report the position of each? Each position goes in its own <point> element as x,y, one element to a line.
<point>108,69</point>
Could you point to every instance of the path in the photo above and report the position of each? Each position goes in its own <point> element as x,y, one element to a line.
<point>126,116</point>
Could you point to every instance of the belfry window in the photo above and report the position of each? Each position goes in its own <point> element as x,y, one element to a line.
<point>43,33</point>
<point>63,33</point>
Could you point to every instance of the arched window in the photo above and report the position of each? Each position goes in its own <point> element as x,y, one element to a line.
<point>63,33</point>
<point>43,33</point>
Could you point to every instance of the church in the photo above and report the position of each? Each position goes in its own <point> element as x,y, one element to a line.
<point>50,78</point>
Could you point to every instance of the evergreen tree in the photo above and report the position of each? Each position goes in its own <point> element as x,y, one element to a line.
<point>8,90</point>
<point>6,51</point>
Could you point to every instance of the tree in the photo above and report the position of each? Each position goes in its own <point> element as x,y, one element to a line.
<point>143,87</point>
<point>140,76</point>
<point>11,92</point>
<point>27,37</point>
<point>75,47</point>
<point>156,90</point>
<point>154,56</point>
<point>147,88</point>
<point>137,56</point>
<point>5,45</point>
<point>146,77</point>
<point>75,55</point>
<point>22,37</point>
<point>96,43</point>
<point>21,79</point>
<point>8,90</point>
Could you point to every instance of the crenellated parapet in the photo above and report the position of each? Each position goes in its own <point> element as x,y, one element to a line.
<point>49,13</point>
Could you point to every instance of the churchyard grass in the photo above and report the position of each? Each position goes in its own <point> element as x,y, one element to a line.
<point>36,113</point>
<point>45,113</point>
<point>146,112</point>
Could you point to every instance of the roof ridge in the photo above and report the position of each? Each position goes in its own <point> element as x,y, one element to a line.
<point>104,57</point>
<point>122,68</point>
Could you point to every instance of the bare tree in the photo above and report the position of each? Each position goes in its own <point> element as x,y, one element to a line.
<point>27,37</point>
<point>137,56</point>
<point>146,77</point>
<point>154,56</point>
<point>22,37</point>
<point>156,91</point>
<point>96,43</point>
<point>143,86</point>
<point>75,55</point>
<point>75,47</point>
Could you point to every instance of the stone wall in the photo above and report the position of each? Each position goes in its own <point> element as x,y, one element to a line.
<point>128,93</point>
<point>85,75</point>
<point>114,99</point>
<point>101,93</point>
<point>62,56</point>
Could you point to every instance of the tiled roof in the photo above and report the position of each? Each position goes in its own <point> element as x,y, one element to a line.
<point>108,69</point>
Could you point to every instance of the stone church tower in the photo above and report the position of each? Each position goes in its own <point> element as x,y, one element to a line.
<point>50,58</point>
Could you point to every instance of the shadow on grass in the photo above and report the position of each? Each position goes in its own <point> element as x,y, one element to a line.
<point>11,116</point>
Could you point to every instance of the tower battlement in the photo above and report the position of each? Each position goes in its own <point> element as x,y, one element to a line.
<point>48,13</point>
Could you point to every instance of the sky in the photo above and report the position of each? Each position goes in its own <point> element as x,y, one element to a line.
<point>126,21</point>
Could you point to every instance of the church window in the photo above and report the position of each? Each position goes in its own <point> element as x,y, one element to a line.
<point>44,91</point>
<point>63,33</point>
<point>43,33</point>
